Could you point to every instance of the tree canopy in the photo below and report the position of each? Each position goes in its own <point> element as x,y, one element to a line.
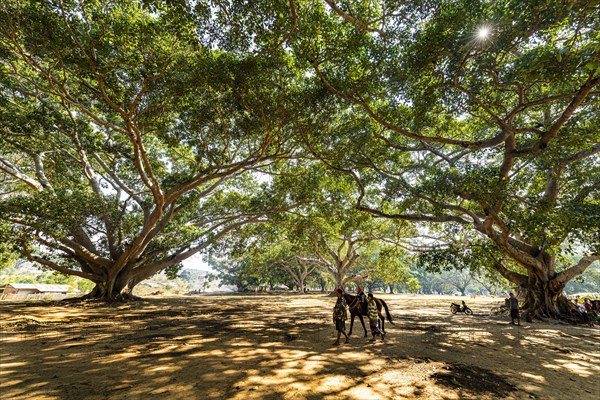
<point>479,116</point>
<point>326,233</point>
<point>128,136</point>
<point>138,133</point>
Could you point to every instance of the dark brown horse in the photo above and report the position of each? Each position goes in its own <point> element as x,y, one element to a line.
<point>360,310</point>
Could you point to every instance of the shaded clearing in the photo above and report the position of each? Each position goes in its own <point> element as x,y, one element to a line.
<point>279,347</point>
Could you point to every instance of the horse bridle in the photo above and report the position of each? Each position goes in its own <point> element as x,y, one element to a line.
<point>355,303</point>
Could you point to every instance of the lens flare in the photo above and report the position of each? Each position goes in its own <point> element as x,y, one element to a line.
<point>483,33</point>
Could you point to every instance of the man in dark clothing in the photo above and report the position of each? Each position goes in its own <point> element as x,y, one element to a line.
<point>514,309</point>
<point>340,314</point>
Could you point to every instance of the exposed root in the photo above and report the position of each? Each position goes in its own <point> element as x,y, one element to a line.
<point>93,297</point>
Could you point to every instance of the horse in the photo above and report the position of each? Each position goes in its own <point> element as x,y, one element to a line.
<point>360,310</point>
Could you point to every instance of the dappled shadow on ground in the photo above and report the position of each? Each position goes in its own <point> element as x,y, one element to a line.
<point>279,347</point>
<point>543,360</point>
<point>473,379</point>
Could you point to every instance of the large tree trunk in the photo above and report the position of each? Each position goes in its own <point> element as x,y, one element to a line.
<point>323,284</point>
<point>301,285</point>
<point>338,277</point>
<point>543,287</point>
<point>544,298</point>
<point>115,288</point>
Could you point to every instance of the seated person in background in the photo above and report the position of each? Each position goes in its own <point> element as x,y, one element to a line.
<point>587,305</point>
<point>587,317</point>
<point>589,310</point>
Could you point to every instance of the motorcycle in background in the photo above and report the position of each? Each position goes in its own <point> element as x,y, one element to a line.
<point>456,308</point>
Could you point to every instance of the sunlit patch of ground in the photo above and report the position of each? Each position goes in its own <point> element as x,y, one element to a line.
<point>279,347</point>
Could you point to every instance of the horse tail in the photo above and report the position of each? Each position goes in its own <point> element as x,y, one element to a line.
<point>387,311</point>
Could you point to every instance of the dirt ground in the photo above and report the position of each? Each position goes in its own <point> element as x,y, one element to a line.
<point>279,346</point>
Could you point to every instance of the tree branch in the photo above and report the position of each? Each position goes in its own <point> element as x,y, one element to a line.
<point>577,269</point>
<point>13,170</point>
<point>354,21</point>
<point>478,144</point>
<point>57,267</point>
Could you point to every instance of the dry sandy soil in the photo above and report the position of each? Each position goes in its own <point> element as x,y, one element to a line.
<point>279,346</point>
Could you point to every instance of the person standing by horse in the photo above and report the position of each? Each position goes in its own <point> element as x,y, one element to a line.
<point>373,314</point>
<point>340,314</point>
